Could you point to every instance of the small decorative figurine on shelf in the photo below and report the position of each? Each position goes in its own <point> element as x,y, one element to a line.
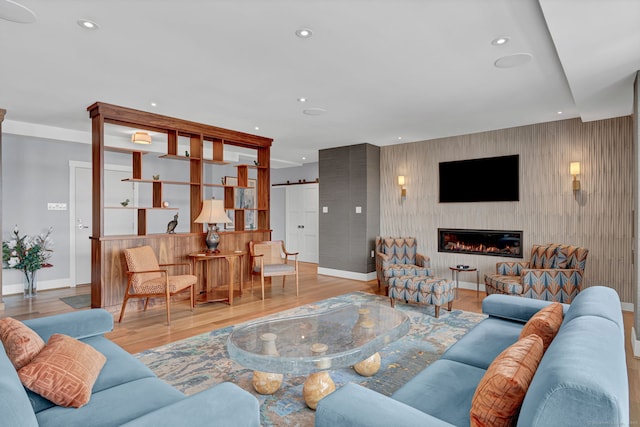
<point>125,203</point>
<point>165,204</point>
<point>156,177</point>
<point>257,163</point>
<point>222,180</point>
<point>172,225</point>
<point>186,153</point>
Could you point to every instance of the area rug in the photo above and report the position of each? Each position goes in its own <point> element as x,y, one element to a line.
<point>200,362</point>
<point>78,301</point>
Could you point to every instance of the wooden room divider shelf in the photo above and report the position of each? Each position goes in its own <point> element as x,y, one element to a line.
<point>205,146</point>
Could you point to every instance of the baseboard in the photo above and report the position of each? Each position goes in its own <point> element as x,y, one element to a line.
<point>635,343</point>
<point>627,306</point>
<point>43,285</point>
<point>469,285</point>
<point>363,277</point>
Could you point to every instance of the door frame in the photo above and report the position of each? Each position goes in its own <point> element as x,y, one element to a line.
<point>73,166</point>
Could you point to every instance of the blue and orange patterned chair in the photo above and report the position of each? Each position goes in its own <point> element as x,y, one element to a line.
<point>554,273</point>
<point>397,257</point>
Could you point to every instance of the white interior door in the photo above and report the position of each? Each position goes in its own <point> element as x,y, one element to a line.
<point>117,221</point>
<point>301,216</point>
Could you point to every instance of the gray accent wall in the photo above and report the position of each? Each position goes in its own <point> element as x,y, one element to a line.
<point>349,178</point>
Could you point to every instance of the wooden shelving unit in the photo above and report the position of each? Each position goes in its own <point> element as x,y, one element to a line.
<point>205,146</point>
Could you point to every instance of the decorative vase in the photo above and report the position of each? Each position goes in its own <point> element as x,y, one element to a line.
<point>267,382</point>
<point>30,282</point>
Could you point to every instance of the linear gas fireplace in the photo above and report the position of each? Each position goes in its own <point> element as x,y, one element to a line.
<point>480,242</point>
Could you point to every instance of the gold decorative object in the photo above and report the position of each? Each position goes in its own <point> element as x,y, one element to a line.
<point>317,386</point>
<point>267,382</point>
<point>369,366</point>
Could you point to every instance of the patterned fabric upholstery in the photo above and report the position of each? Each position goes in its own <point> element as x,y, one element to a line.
<point>149,279</point>
<point>397,257</point>
<point>554,273</point>
<point>422,290</point>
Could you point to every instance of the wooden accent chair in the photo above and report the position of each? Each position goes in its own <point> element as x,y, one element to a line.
<point>148,280</point>
<point>270,258</point>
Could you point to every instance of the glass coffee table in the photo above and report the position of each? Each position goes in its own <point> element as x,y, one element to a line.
<point>350,335</point>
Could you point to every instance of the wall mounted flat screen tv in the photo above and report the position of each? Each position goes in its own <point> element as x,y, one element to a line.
<point>490,179</point>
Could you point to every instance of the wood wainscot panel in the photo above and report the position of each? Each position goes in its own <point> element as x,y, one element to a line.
<point>108,286</point>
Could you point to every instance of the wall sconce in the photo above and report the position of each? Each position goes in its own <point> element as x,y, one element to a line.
<point>212,213</point>
<point>141,138</point>
<point>574,169</point>
<point>403,190</point>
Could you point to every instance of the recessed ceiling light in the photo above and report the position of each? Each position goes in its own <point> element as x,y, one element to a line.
<point>304,158</point>
<point>499,41</point>
<point>399,138</point>
<point>304,33</point>
<point>153,104</point>
<point>88,24</point>
<point>257,128</point>
<point>559,112</point>
<point>302,99</point>
<point>314,111</point>
<point>511,61</point>
<point>15,12</point>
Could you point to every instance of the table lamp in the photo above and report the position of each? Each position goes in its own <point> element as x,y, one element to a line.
<point>211,214</point>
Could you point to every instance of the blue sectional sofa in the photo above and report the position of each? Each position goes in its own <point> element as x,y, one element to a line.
<point>126,391</point>
<point>580,381</point>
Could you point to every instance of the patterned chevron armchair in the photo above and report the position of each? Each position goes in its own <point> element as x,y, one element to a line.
<point>398,256</point>
<point>554,273</point>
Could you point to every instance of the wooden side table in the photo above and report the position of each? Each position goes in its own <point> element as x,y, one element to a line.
<point>230,257</point>
<point>455,271</point>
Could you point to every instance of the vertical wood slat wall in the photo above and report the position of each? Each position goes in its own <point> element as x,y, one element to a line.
<point>599,217</point>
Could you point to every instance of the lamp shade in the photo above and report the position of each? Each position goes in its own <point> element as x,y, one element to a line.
<point>141,138</point>
<point>400,179</point>
<point>212,212</point>
<point>574,168</point>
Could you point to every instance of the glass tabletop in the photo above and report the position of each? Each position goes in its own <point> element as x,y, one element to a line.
<point>335,338</point>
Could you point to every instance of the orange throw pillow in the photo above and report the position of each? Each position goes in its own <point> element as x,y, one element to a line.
<point>545,324</point>
<point>20,342</point>
<point>64,372</point>
<point>499,395</point>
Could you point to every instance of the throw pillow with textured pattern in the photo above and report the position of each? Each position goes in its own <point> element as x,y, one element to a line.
<point>545,323</point>
<point>64,372</point>
<point>499,395</point>
<point>20,342</point>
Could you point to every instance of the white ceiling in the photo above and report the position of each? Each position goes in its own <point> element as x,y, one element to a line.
<point>385,71</point>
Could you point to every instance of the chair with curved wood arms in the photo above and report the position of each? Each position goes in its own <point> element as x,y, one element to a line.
<point>147,279</point>
<point>269,259</point>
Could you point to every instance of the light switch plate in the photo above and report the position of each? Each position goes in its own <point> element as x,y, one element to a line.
<point>56,206</point>
<point>358,209</point>
<point>325,209</point>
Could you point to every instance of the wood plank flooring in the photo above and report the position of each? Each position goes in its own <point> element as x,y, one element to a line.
<point>143,330</point>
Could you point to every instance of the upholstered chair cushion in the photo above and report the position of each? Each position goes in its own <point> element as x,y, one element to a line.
<point>64,371</point>
<point>545,323</point>
<point>142,259</point>
<point>156,286</point>
<point>499,395</point>
<point>20,342</point>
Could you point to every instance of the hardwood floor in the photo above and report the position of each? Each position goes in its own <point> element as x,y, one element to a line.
<point>143,330</point>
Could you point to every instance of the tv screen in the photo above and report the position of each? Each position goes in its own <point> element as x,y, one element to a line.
<point>490,179</point>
